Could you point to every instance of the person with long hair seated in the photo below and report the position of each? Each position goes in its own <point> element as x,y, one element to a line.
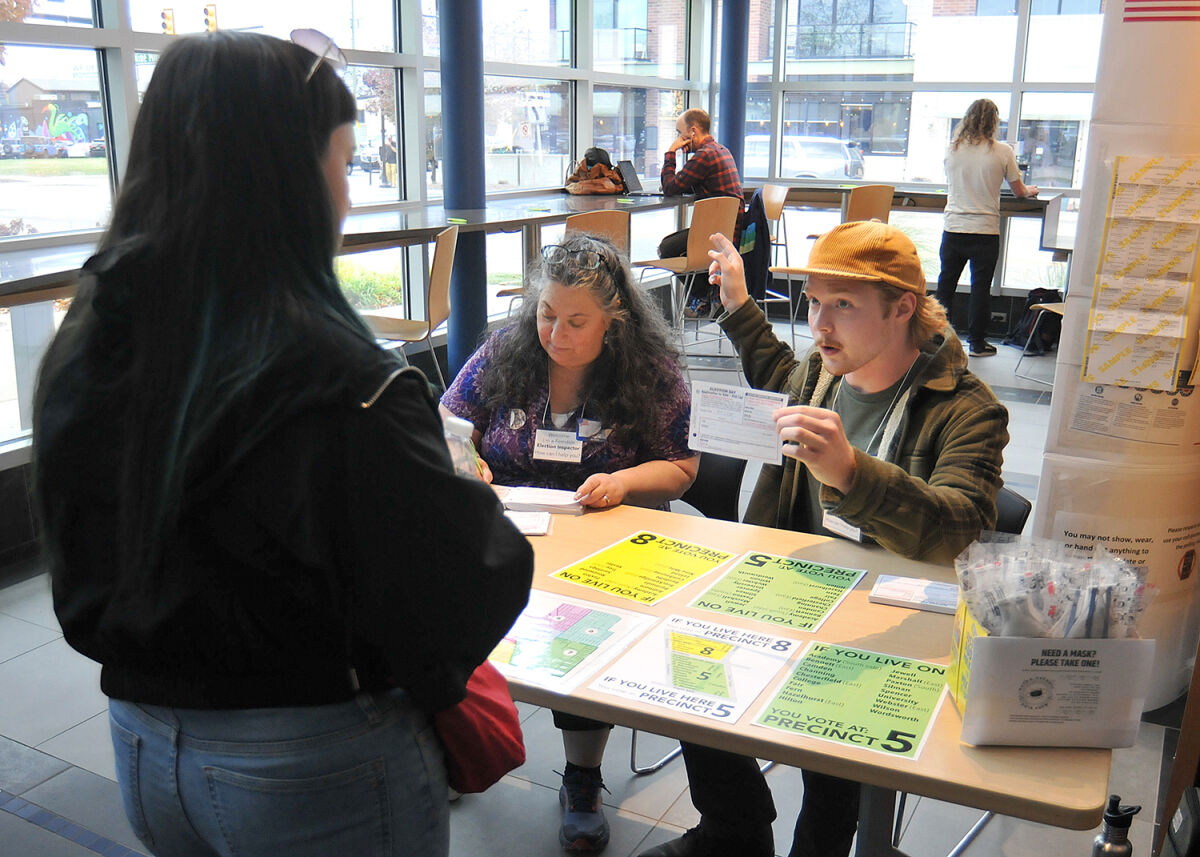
<point>590,363</point>
<point>248,506</point>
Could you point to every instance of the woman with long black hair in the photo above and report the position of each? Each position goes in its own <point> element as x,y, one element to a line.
<point>248,507</point>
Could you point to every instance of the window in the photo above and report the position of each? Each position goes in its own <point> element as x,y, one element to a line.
<point>365,25</point>
<point>376,173</point>
<point>71,13</point>
<point>532,32</point>
<point>1053,135</point>
<point>640,36</point>
<point>635,123</point>
<point>527,133</point>
<point>434,174</point>
<point>1047,61</point>
<point>53,142</point>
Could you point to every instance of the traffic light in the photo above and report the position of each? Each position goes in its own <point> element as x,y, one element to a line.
<point>168,21</point>
<point>210,17</point>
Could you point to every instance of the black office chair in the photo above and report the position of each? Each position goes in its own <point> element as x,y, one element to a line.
<point>714,494</point>
<point>1012,511</point>
<point>718,486</point>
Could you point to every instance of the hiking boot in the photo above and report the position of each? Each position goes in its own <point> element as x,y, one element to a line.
<point>699,842</point>
<point>584,827</point>
<point>982,349</point>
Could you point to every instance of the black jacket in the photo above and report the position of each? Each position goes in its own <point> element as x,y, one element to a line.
<point>342,540</point>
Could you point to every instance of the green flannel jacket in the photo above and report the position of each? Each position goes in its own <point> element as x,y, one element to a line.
<point>937,489</point>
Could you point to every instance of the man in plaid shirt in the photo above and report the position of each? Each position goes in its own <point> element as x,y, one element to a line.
<point>710,171</point>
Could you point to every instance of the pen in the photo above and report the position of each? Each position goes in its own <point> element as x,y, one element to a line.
<point>456,220</point>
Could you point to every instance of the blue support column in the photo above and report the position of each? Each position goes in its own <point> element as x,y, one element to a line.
<point>460,25</point>
<point>731,106</point>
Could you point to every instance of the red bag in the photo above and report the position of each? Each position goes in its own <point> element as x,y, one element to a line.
<point>482,734</point>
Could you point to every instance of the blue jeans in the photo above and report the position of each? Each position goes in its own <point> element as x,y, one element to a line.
<point>362,778</point>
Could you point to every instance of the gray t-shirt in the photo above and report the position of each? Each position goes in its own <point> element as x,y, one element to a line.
<point>974,172</point>
<point>863,417</point>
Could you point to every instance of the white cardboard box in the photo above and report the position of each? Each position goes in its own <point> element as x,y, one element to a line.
<point>1046,692</point>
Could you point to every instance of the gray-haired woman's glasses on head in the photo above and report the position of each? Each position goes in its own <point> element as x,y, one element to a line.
<point>323,48</point>
<point>587,260</point>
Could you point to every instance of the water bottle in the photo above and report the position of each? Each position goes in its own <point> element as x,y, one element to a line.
<point>462,451</point>
<point>1113,840</point>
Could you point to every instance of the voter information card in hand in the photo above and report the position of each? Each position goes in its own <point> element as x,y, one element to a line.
<point>735,421</point>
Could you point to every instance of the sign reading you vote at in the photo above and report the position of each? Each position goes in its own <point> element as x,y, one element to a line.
<point>645,567</point>
<point>864,699</point>
<point>780,590</point>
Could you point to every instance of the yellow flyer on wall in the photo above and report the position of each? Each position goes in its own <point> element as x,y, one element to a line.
<point>863,699</point>
<point>644,567</point>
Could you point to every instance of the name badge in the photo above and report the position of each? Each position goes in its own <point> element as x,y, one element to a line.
<point>836,525</point>
<point>589,429</point>
<point>557,446</point>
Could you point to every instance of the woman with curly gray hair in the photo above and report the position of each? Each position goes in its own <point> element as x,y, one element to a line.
<point>582,392</point>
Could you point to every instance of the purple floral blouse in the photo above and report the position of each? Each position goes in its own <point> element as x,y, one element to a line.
<point>508,432</point>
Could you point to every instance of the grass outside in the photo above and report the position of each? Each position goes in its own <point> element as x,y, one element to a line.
<point>368,289</point>
<point>42,167</point>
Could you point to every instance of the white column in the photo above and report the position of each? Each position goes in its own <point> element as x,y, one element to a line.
<point>1123,466</point>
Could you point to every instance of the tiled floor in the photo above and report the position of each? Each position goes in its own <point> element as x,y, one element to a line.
<point>58,797</point>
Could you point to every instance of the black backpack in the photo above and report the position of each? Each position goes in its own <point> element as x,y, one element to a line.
<point>1047,332</point>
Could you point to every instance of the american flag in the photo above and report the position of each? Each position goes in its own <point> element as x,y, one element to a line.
<point>1162,10</point>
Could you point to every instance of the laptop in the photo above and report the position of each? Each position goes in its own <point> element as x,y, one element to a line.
<point>633,184</point>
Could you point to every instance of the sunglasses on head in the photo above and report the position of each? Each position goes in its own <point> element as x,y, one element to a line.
<point>322,47</point>
<point>586,260</point>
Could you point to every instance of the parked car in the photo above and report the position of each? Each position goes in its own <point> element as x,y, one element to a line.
<point>33,146</point>
<point>98,148</point>
<point>366,159</point>
<point>10,148</point>
<point>806,157</point>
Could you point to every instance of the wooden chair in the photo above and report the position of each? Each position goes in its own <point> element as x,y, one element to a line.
<point>715,214</point>
<point>393,323</point>
<point>612,224</point>
<point>1057,309</point>
<point>869,202</point>
<point>774,197</point>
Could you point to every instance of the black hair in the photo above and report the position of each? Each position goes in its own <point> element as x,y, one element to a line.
<point>628,383</point>
<point>213,287</point>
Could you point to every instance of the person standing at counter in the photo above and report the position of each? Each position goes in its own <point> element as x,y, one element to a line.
<point>887,438</point>
<point>976,164</point>
<point>248,507</point>
<point>582,392</point>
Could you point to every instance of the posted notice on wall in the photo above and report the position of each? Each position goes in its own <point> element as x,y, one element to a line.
<point>780,590</point>
<point>1139,330</point>
<point>1166,546</point>
<point>644,567</point>
<point>1155,417</point>
<point>735,421</point>
<point>558,642</point>
<point>859,698</point>
<point>702,668</point>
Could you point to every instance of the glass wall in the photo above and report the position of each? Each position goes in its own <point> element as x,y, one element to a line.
<point>527,132</point>
<point>54,166</point>
<point>647,37</point>
<point>635,123</point>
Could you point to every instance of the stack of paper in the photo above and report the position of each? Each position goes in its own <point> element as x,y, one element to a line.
<point>915,592</point>
<point>521,498</point>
